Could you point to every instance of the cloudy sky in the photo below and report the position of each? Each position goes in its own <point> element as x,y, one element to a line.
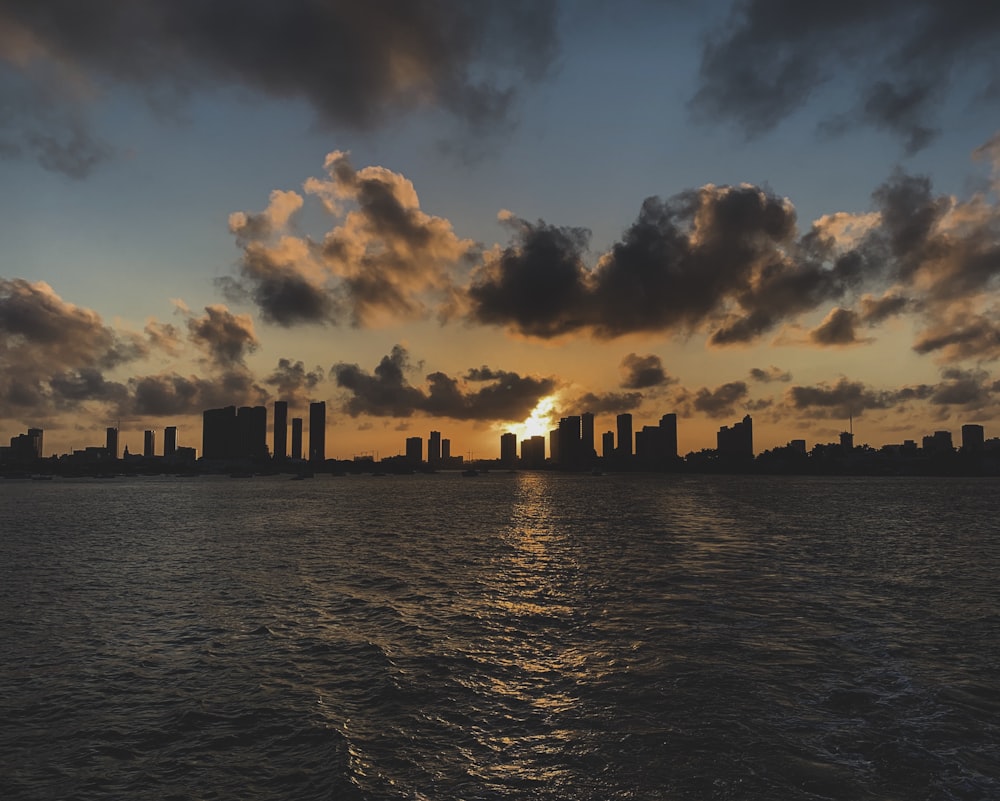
<point>467,217</point>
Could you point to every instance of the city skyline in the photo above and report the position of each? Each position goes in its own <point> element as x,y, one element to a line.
<point>240,434</point>
<point>505,216</point>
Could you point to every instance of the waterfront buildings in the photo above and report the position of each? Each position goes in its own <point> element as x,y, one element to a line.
<point>170,441</point>
<point>624,422</point>
<point>736,442</point>
<point>317,432</point>
<point>296,438</point>
<point>280,433</point>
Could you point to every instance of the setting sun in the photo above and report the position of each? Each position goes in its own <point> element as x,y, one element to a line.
<point>539,422</point>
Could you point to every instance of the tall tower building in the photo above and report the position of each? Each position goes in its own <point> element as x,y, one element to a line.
<point>219,434</point>
<point>668,436</point>
<point>973,438</point>
<point>317,431</point>
<point>111,442</point>
<point>280,437</point>
<point>608,444</point>
<point>434,448</point>
<point>170,440</point>
<point>148,443</point>
<point>296,438</point>
<point>624,434</point>
<point>570,444</point>
<point>414,449</point>
<point>508,449</point>
<point>252,424</point>
<point>587,436</point>
<point>736,441</point>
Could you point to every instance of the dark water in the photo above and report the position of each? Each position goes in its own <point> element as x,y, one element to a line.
<point>525,636</point>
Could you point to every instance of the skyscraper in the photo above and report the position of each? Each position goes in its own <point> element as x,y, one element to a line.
<point>508,449</point>
<point>280,437</point>
<point>587,436</point>
<point>434,448</point>
<point>414,449</point>
<point>736,442</point>
<point>570,444</point>
<point>111,442</point>
<point>251,421</point>
<point>317,431</point>
<point>973,438</point>
<point>219,434</point>
<point>296,438</point>
<point>624,434</point>
<point>148,443</point>
<point>668,436</point>
<point>170,440</point>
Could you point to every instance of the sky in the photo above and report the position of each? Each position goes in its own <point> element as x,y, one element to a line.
<point>479,217</point>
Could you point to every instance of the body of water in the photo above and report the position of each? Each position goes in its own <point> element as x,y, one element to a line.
<point>510,636</point>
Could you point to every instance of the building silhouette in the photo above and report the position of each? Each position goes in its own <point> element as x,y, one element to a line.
<point>414,449</point>
<point>251,422</point>
<point>219,434</point>
<point>938,443</point>
<point>317,431</point>
<point>973,438</point>
<point>508,449</point>
<point>533,452</point>
<point>587,452</point>
<point>736,442</point>
<point>434,449</point>
<point>170,441</point>
<point>26,447</point>
<point>296,438</point>
<point>608,444</point>
<point>570,442</point>
<point>148,443</point>
<point>280,433</point>
<point>445,450</point>
<point>624,422</point>
<point>111,441</point>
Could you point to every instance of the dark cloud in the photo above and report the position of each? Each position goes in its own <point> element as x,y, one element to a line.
<point>537,285</point>
<point>847,398</point>
<point>71,387</point>
<point>972,389</point>
<point>170,394</point>
<point>383,259</point>
<point>877,310</point>
<point>643,372</point>
<point>293,382</point>
<point>772,373</point>
<point>838,328</point>
<point>722,401</point>
<point>722,258</point>
<point>962,336</point>
<point>53,353</point>
<point>355,64</point>
<point>227,337</point>
<point>387,393</point>
<point>902,56</point>
<point>607,402</point>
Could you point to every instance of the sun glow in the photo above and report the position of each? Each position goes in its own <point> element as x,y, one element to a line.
<point>539,422</point>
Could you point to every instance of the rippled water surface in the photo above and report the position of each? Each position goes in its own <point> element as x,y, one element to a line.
<point>511,636</point>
